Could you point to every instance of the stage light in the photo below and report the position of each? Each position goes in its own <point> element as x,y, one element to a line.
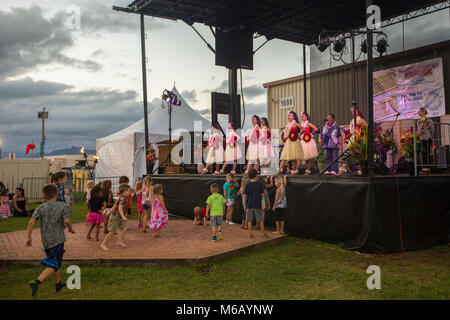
<point>323,44</point>
<point>338,45</point>
<point>382,46</point>
<point>364,46</point>
<point>170,97</point>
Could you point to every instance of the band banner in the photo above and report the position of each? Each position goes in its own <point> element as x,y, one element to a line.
<point>401,91</point>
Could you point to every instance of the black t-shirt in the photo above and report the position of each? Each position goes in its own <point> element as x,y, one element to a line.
<point>96,204</point>
<point>254,190</point>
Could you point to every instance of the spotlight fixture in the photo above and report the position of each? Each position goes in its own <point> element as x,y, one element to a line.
<point>323,44</point>
<point>338,45</point>
<point>170,97</point>
<point>382,46</point>
<point>364,46</point>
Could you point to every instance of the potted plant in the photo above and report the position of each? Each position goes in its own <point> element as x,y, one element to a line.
<point>407,148</point>
<point>357,149</point>
<point>321,154</point>
<point>151,157</point>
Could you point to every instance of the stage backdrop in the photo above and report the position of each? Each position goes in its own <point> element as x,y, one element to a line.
<point>403,90</point>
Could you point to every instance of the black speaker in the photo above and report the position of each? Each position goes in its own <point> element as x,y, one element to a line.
<point>234,49</point>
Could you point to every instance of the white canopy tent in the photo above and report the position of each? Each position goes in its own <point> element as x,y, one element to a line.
<point>123,153</point>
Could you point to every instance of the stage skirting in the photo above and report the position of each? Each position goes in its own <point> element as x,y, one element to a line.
<point>378,215</point>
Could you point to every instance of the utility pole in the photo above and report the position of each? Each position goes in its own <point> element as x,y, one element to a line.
<point>43,115</point>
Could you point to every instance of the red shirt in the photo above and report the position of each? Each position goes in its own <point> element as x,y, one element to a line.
<point>203,213</point>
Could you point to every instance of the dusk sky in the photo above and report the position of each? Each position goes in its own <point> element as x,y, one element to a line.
<point>90,79</point>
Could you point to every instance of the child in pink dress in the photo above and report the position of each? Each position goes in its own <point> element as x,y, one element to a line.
<point>159,212</point>
<point>5,210</point>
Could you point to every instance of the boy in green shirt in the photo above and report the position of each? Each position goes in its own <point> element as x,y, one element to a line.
<point>215,207</point>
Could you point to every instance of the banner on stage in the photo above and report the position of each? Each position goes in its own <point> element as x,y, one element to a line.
<point>401,91</point>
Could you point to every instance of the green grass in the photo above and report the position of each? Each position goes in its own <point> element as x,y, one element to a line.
<point>79,213</point>
<point>295,269</point>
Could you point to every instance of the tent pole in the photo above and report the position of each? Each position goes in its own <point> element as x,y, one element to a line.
<point>304,79</point>
<point>144,87</point>
<point>371,168</point>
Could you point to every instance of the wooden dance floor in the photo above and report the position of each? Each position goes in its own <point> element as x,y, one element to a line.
<point>179,243</point>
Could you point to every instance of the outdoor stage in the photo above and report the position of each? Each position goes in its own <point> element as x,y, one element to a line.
<point>179,243</point>
<point>378,215</point>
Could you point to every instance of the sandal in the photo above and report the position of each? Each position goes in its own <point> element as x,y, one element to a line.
<point>204,171</point>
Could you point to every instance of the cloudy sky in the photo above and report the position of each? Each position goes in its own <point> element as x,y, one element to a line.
<point>89,79</point>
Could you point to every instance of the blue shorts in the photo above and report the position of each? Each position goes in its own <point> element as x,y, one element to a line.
<point>215,221</point>
<point>54,257</point>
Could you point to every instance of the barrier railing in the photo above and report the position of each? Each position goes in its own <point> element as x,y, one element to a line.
<point>33,187</point>
<point>431,147</point>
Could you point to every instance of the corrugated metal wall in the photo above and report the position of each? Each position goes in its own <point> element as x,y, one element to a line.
<point>277,116</point>
<point>330,91</point>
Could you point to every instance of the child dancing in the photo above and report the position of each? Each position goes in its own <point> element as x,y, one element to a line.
<point>95,217</point>
<point>159,216</point>
<point>229,193</point>
<point>215,207</point>
<point>118,217</point>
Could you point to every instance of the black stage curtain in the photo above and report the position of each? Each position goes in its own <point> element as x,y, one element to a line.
<point>360,214</point>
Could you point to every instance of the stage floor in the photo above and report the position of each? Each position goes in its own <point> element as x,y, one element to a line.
<point>179,243</point>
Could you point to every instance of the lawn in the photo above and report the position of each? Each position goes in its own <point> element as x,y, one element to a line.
<point>294,269</point>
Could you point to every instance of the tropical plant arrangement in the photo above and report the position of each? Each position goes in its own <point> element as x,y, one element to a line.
<point>151,154</point>
<point>320,152</point>
<point>407,143</point>
<point>387,140</point>
<point>357,146</point>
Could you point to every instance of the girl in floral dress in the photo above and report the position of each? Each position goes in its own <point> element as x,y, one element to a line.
<point>5,210</point>
<point>159,212</point>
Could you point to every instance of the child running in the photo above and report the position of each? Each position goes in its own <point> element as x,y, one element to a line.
<point>280,204</point>
<point>95,217</point>
<point>199,216</point>
<point>229,193</point>
<point>215,207</point>
<point>52,215</point>
<point>159,216</point>
<point>5,209</point>
<point>118,217</point>
<point>253,194</point>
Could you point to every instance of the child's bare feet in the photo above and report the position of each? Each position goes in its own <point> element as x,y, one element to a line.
<point>88,237</point>
<point>121,244</point>
<point>251,236</point>
<point>104,247</point>
<point>276,232</point>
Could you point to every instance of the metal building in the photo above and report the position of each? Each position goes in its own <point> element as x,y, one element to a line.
<point>330,90</point>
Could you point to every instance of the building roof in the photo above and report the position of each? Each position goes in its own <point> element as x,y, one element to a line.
<point>299,21</point>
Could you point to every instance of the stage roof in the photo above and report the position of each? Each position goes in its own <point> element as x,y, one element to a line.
<point>298,21</point>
